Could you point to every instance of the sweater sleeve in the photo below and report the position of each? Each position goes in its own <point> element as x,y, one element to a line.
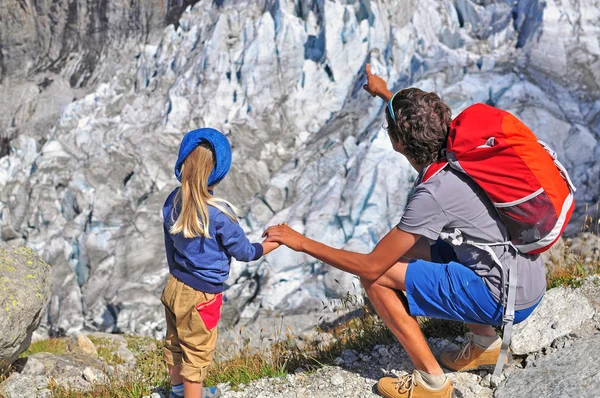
<point>234,240</point>
<point>169,248</point>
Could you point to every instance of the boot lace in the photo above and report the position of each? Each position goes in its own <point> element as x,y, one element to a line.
<point>405,383</point>
<point>465,351</point>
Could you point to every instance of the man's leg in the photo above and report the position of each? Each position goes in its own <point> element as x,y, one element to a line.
<point>389,302</point>
<point>482,330</point>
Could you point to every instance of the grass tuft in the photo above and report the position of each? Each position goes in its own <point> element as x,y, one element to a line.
<point>53,346</point>
<point>568,263</point>
<point>149,374</point>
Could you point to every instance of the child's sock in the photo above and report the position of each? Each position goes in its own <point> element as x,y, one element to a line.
<point>177,390</point>
<point>433,382</point>
<point>486,342</point>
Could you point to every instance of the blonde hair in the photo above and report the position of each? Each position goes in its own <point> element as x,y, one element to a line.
<point>193,196</point>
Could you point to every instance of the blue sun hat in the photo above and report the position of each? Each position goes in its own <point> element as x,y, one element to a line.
<point>219,145</point>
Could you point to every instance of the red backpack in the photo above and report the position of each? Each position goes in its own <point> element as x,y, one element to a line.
<point>529,187</point>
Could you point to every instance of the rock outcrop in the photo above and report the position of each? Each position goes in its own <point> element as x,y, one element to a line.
<point>561,311</point>
<point>572,372</point>
<point>284,80</point>
<point>25,290</point>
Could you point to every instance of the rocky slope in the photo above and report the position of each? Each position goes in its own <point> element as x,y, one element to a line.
<point>550,361</point>
<point>283,79</point>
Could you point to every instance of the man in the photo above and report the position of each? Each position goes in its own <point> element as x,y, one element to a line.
<point>458,282</point>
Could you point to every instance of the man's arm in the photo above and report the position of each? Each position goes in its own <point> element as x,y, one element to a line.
<point>371,266</point>
<point>421,250</point>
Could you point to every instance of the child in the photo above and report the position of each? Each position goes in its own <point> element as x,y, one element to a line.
<point>201,236</point>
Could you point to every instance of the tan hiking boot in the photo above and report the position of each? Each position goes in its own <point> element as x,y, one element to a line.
<point>471,356</point>
<point>412,386</point>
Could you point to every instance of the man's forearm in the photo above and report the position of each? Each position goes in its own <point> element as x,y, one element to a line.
<point>354,263</point>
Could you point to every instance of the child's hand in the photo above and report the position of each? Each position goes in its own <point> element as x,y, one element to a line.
<point>284,235</point>
<point>268,247</point>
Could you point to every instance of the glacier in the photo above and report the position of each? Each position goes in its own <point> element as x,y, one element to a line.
<point>283,80</point>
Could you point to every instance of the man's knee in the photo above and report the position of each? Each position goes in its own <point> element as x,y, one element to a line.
<point>373,288</point>
<point>367,284</point>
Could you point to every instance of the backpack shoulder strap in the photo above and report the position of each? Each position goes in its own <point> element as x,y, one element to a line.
<point>431,170</point>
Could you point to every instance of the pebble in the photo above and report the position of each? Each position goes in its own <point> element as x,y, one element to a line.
<point>350,356</point>
<point>486,381</point>
<point>337,379</point>
<point>383,351</point>
<point>89,375</point>
<point>441,344</point>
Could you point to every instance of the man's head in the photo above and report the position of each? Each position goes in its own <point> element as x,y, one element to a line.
<point>421,127</point>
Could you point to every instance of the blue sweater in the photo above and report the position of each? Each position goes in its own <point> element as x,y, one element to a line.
<point>203,263</point>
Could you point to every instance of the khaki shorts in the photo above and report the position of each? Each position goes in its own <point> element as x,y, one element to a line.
<point>192,318</point>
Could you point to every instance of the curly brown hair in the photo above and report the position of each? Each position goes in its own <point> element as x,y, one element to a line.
<point>422,124</point>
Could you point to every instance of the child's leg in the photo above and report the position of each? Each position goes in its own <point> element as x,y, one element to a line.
<point>172,349</point>
<point>197,315</point>
<point>192,389</point>
<point>174,372</point>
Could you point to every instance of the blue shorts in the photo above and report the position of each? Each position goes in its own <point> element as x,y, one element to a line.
<point>443,288</point>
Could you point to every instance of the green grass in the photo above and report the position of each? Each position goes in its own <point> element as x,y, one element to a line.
<point>106,350</point>
<point>567,267</point>
<point>244,368</point>
<point>53,346</point>
<point>150,372</point>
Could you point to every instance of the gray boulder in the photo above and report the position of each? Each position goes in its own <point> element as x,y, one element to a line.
<point>561,311</point>
<point>573,372</point>
<point>25,290</point>
<point>22,385</point>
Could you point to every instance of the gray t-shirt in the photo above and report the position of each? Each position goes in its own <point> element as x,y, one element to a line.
<point>451,201</point>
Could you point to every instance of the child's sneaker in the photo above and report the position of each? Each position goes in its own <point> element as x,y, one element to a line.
<point>211,392</point>
<point>471,356</point>
<point>207,392</point>
<point>412,386</point>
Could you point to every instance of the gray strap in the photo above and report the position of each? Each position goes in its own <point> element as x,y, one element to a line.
<point>508,298</point>
<point>508,319</point>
